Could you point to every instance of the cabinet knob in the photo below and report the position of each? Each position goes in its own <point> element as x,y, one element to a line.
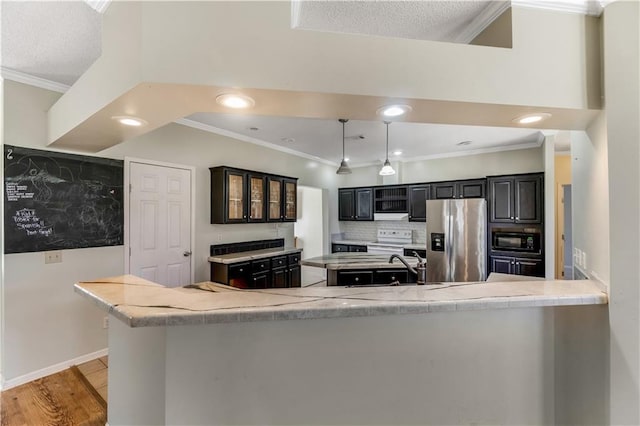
<point>356,217</point>
<point>241,270</point>
<point>357,279</point>
<point>511,217</point>
<point>517,218</point>
<point>393,277</point>
<point>244,217</point>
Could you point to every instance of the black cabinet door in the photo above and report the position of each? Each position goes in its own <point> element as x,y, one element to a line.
<point>443,190</point>
<point>290,200</point>
<point>471,189</point>
<point>234,197</point>
<point>528,199</point>
<point>503,265</point>
<point>274,199</point>
<point>364,204</point>
<point>530,267</point>
<point>279,277</point>
<point>501,202</point>
<point>346,204</point>
<point>418,195</point>
<point>358,249</point>
<point>239,275</point>
<point>261,280</point>
<point>294,276</point>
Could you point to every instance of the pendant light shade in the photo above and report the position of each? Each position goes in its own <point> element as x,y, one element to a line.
<point>387,170</point>
<point>344,167</point>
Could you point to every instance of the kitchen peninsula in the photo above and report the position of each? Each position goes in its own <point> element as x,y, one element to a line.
<point>213,354</point>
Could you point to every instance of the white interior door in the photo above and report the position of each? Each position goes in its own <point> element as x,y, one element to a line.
<point>160,223</point>
<point>309,231</point>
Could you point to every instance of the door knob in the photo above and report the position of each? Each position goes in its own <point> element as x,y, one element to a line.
<point>186,253</point>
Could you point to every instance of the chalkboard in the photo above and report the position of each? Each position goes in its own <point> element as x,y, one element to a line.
<point>55,201</point>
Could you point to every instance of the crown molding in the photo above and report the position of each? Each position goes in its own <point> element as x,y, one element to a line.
<point>589,7</point>
<point>99,6</point>
<point>528,145</point>
<point>212,129</point>
<point>20,77</point>
<point>482,21</point>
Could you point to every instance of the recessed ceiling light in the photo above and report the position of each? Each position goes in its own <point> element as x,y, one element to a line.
<point>397,152</point>
<point>464,143</point>
<point>531,118</point>
<point>235,101</point>
<point>129,120</point>
<point>393,110</point>
<point>288,140</point>
<point>346,159</point>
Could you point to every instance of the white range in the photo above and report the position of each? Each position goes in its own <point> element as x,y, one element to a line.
<point>390,242</point>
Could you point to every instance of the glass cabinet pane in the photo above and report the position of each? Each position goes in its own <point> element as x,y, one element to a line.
<point>235,195</point>
<point>256,195</point>
<point>290,200</point>
<point>275,198</point>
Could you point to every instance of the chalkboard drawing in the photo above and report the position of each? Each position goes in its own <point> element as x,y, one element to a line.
<point>61,201</point>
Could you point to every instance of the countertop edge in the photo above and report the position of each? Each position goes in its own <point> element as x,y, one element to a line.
<point>252,255</point>
<point>373,308</point>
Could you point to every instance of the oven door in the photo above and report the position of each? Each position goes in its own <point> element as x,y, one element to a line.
<point>386,249</point>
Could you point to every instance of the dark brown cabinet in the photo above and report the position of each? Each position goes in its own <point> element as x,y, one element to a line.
<point>418,195</point>
<point>355,204</point>
<point>517,266</point>
<point>458,189</point>
<point>270,272</point>
<point>369,277</point>
<point>346,248</point>
<point>244,196</point>
<point>515,199</point>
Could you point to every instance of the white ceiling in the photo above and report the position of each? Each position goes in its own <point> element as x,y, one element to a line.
<point>422,20</point>
<point>59,40</point>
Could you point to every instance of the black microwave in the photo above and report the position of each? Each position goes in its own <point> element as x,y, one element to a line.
<point>516,241</point>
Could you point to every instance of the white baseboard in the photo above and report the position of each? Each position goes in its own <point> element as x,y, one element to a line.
<point>20,380</point>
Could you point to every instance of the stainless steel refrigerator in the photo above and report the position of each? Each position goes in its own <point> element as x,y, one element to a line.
<point>457,240</point>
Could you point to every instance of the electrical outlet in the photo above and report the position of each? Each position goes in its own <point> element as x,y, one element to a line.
<point>53,256</point>
<point>105,322</point>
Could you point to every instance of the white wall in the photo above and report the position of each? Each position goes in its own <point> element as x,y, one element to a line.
<point>590,198</point>
<point>451,168</point>
<point>45,322</point>
<point>622,99</point>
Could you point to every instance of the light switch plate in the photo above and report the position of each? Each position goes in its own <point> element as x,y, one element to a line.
<point>53,256</point>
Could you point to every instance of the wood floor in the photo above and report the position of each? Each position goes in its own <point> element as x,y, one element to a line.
<point>76,396</point>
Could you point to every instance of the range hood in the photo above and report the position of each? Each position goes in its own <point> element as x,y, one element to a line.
<point>391,216</point>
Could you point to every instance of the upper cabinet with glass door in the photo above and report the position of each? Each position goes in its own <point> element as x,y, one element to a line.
<point>241,196</point>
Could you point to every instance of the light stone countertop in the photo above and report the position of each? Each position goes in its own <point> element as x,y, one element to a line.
<point>141,303</point>
<point>338,261</point>
<point>246,256</point>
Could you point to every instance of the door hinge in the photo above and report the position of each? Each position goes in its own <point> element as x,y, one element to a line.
<point>129,188</point>
<point>562,237</point>
<point>129,251</point>
<point>563,273</point>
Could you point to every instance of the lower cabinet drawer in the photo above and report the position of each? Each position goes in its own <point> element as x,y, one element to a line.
<point>261,280</point>
<point>387,277</point>
<point>278,262</point>
<point>355,278</point>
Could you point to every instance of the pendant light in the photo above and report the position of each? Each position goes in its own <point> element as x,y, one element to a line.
<point>344,167</point>
<point>387,170</point>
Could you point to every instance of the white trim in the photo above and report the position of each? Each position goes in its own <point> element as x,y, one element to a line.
<point>43,372</point>
<point>296,7</point>
<point>562,153</point>
<point>592,8</point>
<point>482,21</point>
<point>212,129</point>
<point>99,6</point>
<point>127,199</point>
<point>31,80</point>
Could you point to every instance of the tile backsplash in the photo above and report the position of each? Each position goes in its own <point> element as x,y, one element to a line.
<point>366,231</point>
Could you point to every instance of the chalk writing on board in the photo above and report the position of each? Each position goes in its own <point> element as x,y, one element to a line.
<point>58,200</point>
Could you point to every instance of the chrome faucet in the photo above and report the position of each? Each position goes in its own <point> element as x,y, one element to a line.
<point>419,271</point>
